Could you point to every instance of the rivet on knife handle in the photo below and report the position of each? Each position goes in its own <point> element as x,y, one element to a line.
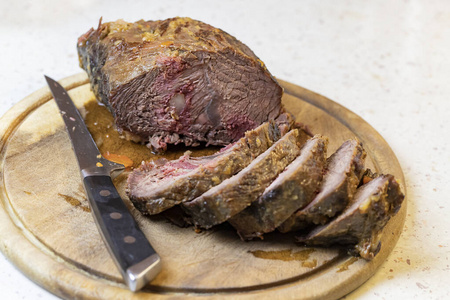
<point>139,263</point>
<point>136,259</point>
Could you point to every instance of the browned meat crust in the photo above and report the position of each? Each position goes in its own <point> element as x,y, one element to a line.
<point>292,190</point>
<point>361,223</point>
<point>344,171</point>
<point>178,81</point>
<point>236,193</point>
<point>154,189</point>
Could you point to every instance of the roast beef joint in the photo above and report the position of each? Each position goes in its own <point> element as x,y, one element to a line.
<point>181,81</point>
<point>178,81</point>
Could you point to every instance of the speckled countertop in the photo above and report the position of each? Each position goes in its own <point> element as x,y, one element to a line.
<point>388,61</point>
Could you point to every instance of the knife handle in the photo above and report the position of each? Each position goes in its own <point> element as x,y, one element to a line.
<point>134,256</point>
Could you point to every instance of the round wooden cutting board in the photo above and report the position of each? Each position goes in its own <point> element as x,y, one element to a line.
<point>47,231</point>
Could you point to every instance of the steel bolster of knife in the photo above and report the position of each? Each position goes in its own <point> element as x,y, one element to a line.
<point>132,253</point>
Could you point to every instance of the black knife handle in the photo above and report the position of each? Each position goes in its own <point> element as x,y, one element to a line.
<point>125,241</point>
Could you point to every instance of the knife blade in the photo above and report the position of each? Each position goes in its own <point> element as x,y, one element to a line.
<point>132,253</point>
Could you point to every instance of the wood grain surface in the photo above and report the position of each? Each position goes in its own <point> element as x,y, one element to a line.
<point>47,231</point>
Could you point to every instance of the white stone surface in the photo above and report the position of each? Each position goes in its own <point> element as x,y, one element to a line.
<point>388,61</point>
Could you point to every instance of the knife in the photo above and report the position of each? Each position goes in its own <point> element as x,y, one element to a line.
<point>132,253</point>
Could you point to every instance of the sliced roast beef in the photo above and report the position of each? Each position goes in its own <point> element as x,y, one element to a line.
<point>362,221</point>
<point>344,171</point>
<point>236,193</point>
<point>294,188</point>
<point>178,81</point>
<point>157,186</point>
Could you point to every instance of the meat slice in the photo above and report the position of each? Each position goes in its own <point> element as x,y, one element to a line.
<point>157,186</point>
<point>178,81</point>
<point>236,193</point>
<point>294,188</point>
<point>362,222</point>
<point>344,171</point>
